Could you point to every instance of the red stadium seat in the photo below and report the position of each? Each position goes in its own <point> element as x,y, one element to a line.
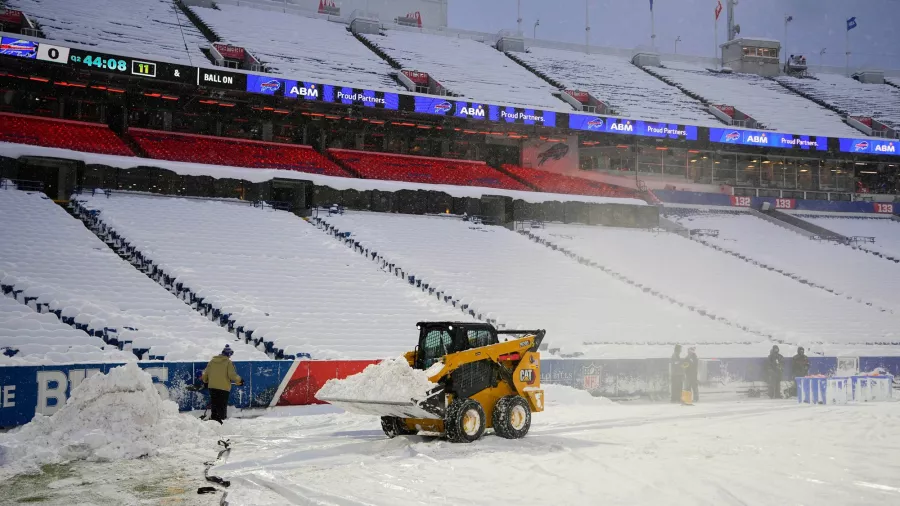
<point>418,169</point>
<point>57,133</point>
<point>552,182</point>
<point>233,152</point>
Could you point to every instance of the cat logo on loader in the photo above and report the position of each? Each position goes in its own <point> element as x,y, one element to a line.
<point>483,383</point>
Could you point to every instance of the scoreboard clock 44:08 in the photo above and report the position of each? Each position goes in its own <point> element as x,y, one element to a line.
<point>112,63</point>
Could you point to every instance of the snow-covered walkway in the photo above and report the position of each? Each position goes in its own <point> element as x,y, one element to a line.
<point>736,453</point>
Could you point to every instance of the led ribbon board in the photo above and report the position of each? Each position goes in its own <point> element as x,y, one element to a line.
<point>289,88</point>
<point>767,139</point>
<point>625,126</point>
<point>870,146</point>
<point>477,111</point>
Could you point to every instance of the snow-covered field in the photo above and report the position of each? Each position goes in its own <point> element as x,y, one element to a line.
<point>579,451</point>
<point>764,100</point>
<point>117,443</point>
<point>471,69</point>
<point>626,88</point>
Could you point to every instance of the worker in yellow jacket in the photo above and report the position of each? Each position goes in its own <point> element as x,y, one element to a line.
<point>218,376</point>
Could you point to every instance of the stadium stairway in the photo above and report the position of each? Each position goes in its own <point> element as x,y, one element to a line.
<point>815,230</point>
<point>393,268</point>
<point>93,221</point>
<point>645,288</point>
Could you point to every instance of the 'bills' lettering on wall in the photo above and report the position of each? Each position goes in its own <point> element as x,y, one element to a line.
<point>54,387</point>
<point>7,396</point>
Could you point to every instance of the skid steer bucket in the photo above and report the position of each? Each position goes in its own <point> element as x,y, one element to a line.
<point>431,407</point>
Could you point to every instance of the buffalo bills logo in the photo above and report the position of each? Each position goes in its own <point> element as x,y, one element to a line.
<point>595,124</point>
<point>732,137</point>
<point>861,146</point>
<point>443,107</point>
<point>272,85</point>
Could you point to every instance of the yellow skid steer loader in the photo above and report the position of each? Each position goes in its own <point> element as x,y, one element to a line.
<point>482,383</point>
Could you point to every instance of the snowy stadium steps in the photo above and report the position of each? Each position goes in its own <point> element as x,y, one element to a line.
<point>498,276</point>
<point>738,289</point>
<point>420,169</point>
<point>76,277</point>
<point>65,134</point>
<point>282,286</point>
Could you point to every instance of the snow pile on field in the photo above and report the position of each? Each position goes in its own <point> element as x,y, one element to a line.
<point>392,380</point>
<point>116,416</point>
<point>562,395</point>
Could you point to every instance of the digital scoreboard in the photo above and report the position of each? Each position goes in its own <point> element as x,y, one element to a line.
<point>114,64</point>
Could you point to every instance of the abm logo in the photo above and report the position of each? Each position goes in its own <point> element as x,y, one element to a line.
<point>595,124</point>
<point>443,107</point>
<point>732,137</point>
<point>304,91</point>
<point>271,86</point>
<point>861,146</point>
<point>885,148</point>
<point>475,112</point>
<point>622,127</point>
<point>758,139</point>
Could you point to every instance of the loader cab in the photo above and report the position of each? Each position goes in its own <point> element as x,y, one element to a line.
<point>437,339</point>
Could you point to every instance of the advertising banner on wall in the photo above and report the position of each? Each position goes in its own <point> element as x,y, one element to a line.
<point>29,390</point>
<point>631,127</point>
<point>767,139</point>
<point>870,146</point>
<point>559,157</point>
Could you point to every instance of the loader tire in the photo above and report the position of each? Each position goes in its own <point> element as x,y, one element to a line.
<point>393,427</point>
<point>512,417</point>
<point>465,421</point>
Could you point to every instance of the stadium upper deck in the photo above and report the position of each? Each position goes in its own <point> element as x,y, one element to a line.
<point>626,88</point>
<point>878,101</point>
<point>766,101</point>
<point>146,28</point>
<point>468,68</point>
<point>299,46</point>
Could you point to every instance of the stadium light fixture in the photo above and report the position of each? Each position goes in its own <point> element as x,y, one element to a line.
<point>867,172</point>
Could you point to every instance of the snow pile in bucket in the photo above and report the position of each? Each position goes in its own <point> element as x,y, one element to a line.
<point>108,417</point>
<point>561,395</point>
<point>391,380</point>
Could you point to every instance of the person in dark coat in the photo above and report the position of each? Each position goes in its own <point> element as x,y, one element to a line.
<point>691,365</point>
<point>774,371</point>
<point>676,370</point>
<point>800,364</point>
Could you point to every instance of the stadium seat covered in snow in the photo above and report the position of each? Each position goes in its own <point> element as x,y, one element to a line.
<point>61,266</point>
<point>284,283</point>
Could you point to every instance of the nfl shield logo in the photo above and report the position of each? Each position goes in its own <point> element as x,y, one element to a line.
<point>590,375</point>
